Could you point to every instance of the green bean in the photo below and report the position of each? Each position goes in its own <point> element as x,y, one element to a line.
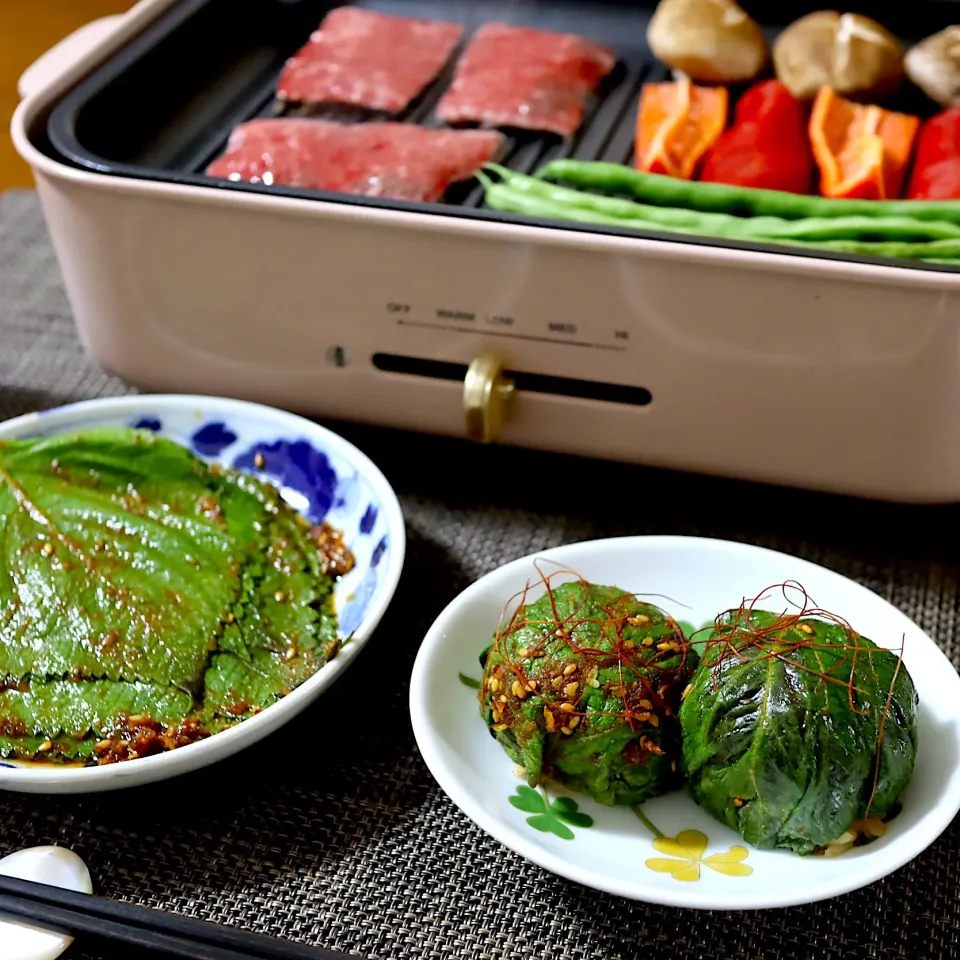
<point>659,190</point>
<point>508,199</point>
<point>742,228</point>
<point>939,249</point>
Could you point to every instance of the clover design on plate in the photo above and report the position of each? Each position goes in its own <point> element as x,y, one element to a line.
<point>685,856</point>
<point>550,817</point>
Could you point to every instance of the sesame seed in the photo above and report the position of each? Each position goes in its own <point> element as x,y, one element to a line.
<point>594,682</point>
<point>523,653</point>
<point>566,730</point>
<point>280,596</point>
<point>569,668</point>
<point>494,684</point>
<point>45,746</point>
<point>503,699</point>
<point>567,707</point>
<point>531,685</point>
<point>639,620</point>
<point>551,721</point>
<point>571,688</point>
<point>47,550</point>
<point>686,690</point>
<point>648,641</point>
<point>654,720</point>
<point>805,627</point>
<point>572,722</point>
<point>630,644</point>
<point>258,461</point>
<point>230,617</point>
<point>518,690</point>
<point>499,727</point>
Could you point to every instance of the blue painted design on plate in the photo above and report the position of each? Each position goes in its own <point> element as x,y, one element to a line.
<point>212,439</point>
<point>148,423</point>
<point>355,608</point>
<point>378,551</point>
<point>300,467</point>
<point>368,519</point>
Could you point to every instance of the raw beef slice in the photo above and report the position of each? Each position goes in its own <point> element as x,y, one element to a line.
<point>395,160</point>
<point>370,60</point>
<point>517,77</point>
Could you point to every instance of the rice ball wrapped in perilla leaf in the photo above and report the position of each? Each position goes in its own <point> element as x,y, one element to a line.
<point>797,732</point>
<point>583,686</point>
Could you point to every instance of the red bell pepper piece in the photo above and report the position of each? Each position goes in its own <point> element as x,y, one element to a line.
<point>936,167</point>
<point>767,146</point>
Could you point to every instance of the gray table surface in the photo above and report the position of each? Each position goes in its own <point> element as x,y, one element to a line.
<point>351,844</point>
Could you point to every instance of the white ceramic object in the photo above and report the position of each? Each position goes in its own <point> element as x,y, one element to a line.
<point>707,576</point>
<point>320,474</point>
<point>58,867</point>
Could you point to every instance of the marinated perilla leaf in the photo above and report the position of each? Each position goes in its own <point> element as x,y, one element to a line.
<point>142,589</point>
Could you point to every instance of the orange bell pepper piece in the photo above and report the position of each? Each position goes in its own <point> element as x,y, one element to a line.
<point>862,151</point>
<point>677,123</point>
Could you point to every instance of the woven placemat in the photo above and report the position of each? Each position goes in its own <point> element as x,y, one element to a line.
<point>333,832</point>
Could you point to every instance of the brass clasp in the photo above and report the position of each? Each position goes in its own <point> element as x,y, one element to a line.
<point>486,398</point>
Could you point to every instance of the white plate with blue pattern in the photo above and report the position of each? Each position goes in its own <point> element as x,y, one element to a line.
<point>320,474</point>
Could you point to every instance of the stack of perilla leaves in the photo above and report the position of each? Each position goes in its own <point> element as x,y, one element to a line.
<point>143,591</point>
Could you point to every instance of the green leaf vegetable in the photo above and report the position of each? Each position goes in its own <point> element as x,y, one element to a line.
<point>797,732</point>
<point>146,599</point>
<point>583,686</point>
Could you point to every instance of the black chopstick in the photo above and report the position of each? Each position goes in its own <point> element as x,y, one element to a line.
<point>75,923</point>
<point>178,936</point>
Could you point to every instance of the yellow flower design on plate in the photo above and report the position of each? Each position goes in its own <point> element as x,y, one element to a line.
<point>685,854</point>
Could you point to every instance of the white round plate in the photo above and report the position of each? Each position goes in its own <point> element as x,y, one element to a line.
<point>702,578</point>
<point>319,474</point>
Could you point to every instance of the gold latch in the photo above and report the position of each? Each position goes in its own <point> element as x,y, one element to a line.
<point>486,398</point>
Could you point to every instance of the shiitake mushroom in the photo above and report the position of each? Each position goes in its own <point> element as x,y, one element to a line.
<point>710,41</point>
<point>856,56</point>
<point>934,66</point>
